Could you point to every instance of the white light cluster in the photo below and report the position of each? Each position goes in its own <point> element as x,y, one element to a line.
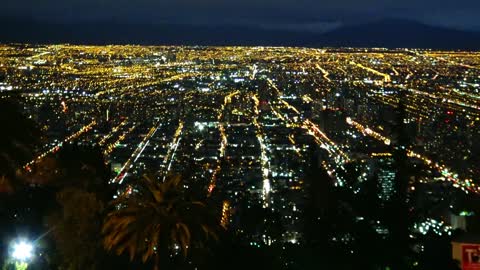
<point>22,250</point>
<point>437,227</point>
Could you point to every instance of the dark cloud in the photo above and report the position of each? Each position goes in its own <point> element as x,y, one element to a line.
<point>310,15</point>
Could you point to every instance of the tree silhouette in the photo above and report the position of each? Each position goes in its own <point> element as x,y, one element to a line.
<point>18,139</point>
<point>156,221</point>
<point>397,214</point>
<point>76,229</point>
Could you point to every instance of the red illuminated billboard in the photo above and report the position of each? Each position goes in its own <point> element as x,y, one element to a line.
<point>471,257</point>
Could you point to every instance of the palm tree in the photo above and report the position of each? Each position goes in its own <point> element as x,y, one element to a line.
<point>157,221</point>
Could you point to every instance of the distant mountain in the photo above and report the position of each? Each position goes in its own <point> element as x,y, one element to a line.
<point>385,33</point>
<point>400,34</point>
<point>106,32</point>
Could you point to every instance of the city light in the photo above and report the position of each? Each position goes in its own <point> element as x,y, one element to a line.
<point>256,128</point>
<point>200,126</point>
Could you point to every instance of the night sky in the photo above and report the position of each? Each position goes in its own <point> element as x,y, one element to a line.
<point>307,15</point>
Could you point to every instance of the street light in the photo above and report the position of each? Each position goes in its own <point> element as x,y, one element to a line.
<point>22,250</point>
<point>21,253</point>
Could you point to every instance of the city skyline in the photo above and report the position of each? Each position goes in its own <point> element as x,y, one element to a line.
<point>248,113</point>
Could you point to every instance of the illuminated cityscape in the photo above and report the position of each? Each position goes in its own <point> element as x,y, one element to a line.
<point>245,123</point>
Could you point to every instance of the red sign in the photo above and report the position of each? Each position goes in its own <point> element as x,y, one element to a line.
<point>471,257</point>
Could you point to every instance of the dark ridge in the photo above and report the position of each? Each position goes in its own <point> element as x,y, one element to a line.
<point>391,33</point>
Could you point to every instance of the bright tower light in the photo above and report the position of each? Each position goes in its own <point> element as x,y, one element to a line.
<point>199,126</point>
<point>22,250</point>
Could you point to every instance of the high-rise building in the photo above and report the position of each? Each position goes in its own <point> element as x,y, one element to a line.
<point>385,169</point>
